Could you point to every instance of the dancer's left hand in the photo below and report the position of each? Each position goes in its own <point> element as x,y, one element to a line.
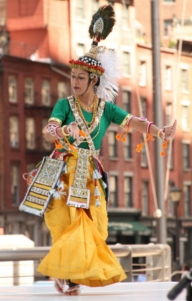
<point>169,131</point>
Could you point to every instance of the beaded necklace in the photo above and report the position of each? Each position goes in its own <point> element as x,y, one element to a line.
<point>88,124</point>
<point>85,107</point>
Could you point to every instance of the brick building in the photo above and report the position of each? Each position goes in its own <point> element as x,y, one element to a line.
<point>57,31</point>
<point>170,20</point>
<point>28,92</point>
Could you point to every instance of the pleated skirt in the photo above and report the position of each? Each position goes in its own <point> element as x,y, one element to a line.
<point>79,251</point>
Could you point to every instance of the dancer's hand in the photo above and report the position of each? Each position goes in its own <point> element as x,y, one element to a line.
<point>73,130</point>
<point>169,131</point>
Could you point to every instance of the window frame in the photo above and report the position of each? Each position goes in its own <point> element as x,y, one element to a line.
<point>125,16</point>
<point>34,139</point>
<point>128,195</point>
<point>113,146</point>
<point>46,145</point>
<point>32,91</point>
<point>127,103</point>
<point>45,103</point>
<point>186,155</point>
<point>143,73</point>
<point>114,192</point>
<point>60,90</point>
<point>16,146</point>
<point>17,194</point>
<point>168,78</point>
<point>80,8</point>
<point>126,67</point>
<point>165,28</point>
<point>145,209</point>
<point>127,147</point>
<point>184,80</point>
<point>15,98</point>
<point>185,118</point>
<point>187,204</point>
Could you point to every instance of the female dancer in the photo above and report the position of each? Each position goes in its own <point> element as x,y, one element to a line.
<point>77,219</point>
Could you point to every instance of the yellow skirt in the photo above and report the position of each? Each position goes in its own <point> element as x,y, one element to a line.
<point>79,251</point>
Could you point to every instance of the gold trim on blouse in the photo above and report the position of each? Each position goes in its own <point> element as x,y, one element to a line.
<point>56,120</point>
<point>125,120</point>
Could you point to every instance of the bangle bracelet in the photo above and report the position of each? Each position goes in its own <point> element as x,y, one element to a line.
<point>63,131</point>
<point>129,120</point>
<point>57,132</point>
<point>158,134</point>
<point>148,126</point>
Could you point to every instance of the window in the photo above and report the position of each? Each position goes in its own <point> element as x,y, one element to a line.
<point>186,155</point>
<point>45,93</point>
<point>126,63</point>
<point>125,15</point>
<point>167,27</point>
<point>185,118</point>
<point>45,144</point>
<point>29,91</point>
<point>143,155</point>
<point>127,147</point>
<point>143,107</point>
<point>170,202</point>
<point>30,133</point>
<point>2,13</point>
<point>128,192</point>
<point>126,97</point>
<point>144,198</point>
<point>61,90</point>
<point>184,84</point>
<point>95,5</point>
<point>14,131</point>
<point>112,145</point>
<point>187,207</point>
<point>80,50</point>
<point>113,191</point>
<point>80,8</point>
<point>12,89</point>
<point>168,113</point>
<point>15,185</point>
<point>142,74</point>
<point>168,78</point>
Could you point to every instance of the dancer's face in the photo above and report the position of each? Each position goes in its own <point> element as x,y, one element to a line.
<point>79,81</point>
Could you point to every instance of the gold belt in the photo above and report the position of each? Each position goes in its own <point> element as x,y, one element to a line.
<point>81,151</point>
<point>87,152</point>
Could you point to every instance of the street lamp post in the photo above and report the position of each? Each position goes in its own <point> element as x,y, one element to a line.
<point>175,193</point>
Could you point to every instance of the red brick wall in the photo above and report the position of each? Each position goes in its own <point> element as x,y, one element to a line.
<point>167,10</point>
<point>22,69</point>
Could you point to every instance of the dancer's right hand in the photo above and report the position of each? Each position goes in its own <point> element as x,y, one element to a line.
<point>73,130</point>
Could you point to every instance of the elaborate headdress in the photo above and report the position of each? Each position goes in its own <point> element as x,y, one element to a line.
<point>100,61</point>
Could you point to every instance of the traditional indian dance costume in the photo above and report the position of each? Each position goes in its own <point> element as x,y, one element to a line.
<point>77,211</point>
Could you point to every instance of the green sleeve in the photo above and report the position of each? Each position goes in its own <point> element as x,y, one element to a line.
<point>116,114</point>
<point>60,110</point>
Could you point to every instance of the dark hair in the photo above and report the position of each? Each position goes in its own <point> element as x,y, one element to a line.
<point>98,82</point>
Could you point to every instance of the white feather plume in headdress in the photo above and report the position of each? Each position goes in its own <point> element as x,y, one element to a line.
<point>108,87</point>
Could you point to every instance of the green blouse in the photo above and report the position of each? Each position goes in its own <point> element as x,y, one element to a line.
<point>111,114</point>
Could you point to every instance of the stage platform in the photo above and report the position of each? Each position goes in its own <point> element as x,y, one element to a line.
<point>44,291</point>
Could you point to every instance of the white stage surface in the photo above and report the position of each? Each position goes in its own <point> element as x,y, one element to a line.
<point>44,291</point>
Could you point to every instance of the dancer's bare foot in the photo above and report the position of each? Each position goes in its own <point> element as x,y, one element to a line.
<point>73,291</point>
<point>60,285</point>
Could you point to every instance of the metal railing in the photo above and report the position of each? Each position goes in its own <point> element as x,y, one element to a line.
<point>156,261</point>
